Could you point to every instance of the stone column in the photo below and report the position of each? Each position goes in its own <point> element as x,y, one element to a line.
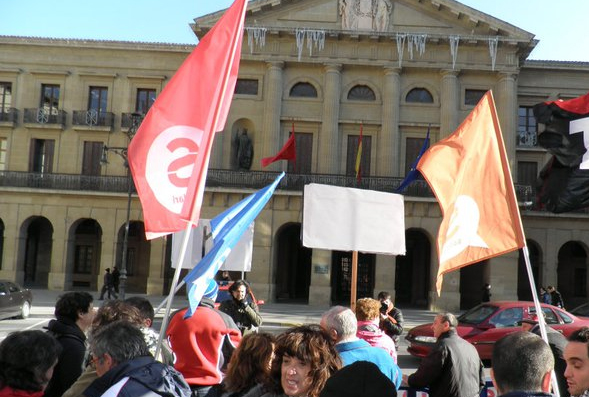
<point>155,277</point>
<point>449,98</point>
<point>384,274</point>
<point>389,144</point>
<point>506,103</point>
<point>320,288</point>
<point>503,276</point>
<point>329,139</point>
<point>267,141</point>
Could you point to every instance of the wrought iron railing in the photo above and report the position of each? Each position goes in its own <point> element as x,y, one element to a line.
<point>127,119</point>
<point>44,116</point>
<point>9,115</point>
<point>230,179</point>
<point>93,118</point>
<point>527,138</point>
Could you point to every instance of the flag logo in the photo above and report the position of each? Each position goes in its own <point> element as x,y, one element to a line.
<point>462,229</point>
<point>170,161</point>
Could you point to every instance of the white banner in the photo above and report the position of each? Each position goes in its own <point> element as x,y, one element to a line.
<point>346,219</point>
<point>239,259</point>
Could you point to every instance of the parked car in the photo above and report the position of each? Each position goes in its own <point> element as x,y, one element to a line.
<point>486,323</point>
<point>15,301</point>
<point>225,295</point>
<point>581,310</point>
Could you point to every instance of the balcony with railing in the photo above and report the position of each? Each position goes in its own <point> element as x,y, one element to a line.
<point>42,116</point>
<point>8,115</point>
<point>217,178</point>
<point>93,118</point>
<point>127,119</point>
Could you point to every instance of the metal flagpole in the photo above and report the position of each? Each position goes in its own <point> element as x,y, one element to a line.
<point>539,313</point>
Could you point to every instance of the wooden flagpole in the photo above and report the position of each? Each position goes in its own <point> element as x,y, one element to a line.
<point>353,289</point>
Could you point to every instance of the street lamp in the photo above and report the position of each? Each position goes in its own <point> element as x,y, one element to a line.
<point>136,119</point>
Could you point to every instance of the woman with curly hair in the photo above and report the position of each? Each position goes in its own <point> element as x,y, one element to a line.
<point>249,367</point>
<point>27,359</point>
<point>368,316</point>
<point>304,359</point>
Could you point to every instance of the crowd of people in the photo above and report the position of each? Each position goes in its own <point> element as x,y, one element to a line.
<point>111,352</point>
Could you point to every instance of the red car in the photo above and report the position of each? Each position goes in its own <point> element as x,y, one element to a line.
<point>225,295</point>
<point>486,323</point>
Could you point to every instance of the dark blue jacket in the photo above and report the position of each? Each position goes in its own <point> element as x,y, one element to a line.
<point>147,378</point>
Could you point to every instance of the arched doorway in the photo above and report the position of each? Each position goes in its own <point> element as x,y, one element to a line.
<point>412,272</point>
<point>341,277</point>
<point>293,265</point>
<point>572,273</point>
<point>138,256</point>
<point>36,252</point>
<point>472,280</point>
<point>84,254</point>
<point>524,292</point>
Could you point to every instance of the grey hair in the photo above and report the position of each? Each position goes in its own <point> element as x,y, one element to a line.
<point>449,318</point>
<point>520,361</point>
<point>342,320</point>
<point>122,340</point>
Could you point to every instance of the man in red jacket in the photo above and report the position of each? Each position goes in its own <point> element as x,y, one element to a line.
<point>203,344</point>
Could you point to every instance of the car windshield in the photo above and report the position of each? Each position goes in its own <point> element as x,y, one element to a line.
<point>477,314</point>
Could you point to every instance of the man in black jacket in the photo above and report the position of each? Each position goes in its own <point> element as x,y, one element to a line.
<point>391,318</point>
<point>126,368</point>
<point>522,364</point>
<point>74,313</point>
<point>557,343</point>
<point>453,367</point>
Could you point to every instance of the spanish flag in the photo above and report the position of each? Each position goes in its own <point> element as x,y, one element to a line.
<point>358,167</point>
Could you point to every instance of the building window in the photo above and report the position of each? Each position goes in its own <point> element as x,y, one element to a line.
<point>412,149</point>
<point>419,95</point>
<point>303,90</point>
<point>304,154</point>
<point>41,155</point>
<point>527,173</point>
<point>361,93</point>
<point>50,99</point>
<point>527,128</point>
<point>91,160</point>
<point>97,99</point>
<point>84,259</point>
<point>145,98</point>
<point>3,151</point>
<point>5,97</point>
<point>246,87</point>
<point>353,154</point>
<point>472,97</point>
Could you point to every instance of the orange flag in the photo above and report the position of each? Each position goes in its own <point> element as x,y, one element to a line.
<point>469,174</point>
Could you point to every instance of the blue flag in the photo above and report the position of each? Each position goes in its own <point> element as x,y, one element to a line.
<point>227,229</point>
<point>413,173</point>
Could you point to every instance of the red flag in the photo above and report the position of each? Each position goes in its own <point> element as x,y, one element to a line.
<point>288,151</point>
<point>469,174</point>
<point>170,153</point>
<point>358,166</point>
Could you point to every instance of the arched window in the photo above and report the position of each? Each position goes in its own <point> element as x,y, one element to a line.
<point>419,95</point>
<point>303,90</point>
<point>361,93</point>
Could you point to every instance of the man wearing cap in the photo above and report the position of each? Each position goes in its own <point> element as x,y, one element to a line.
<point>203,343</point>
<point>557,343</point>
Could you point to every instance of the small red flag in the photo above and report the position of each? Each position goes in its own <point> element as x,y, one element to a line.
<point>169,155</point>
<point>288,151</point>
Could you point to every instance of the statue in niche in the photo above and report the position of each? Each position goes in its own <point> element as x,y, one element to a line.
<point>381,11</point>
<point>244,150</point>
<point>347,9</point>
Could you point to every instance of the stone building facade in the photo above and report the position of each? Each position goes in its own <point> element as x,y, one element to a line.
<point>322,68</point>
